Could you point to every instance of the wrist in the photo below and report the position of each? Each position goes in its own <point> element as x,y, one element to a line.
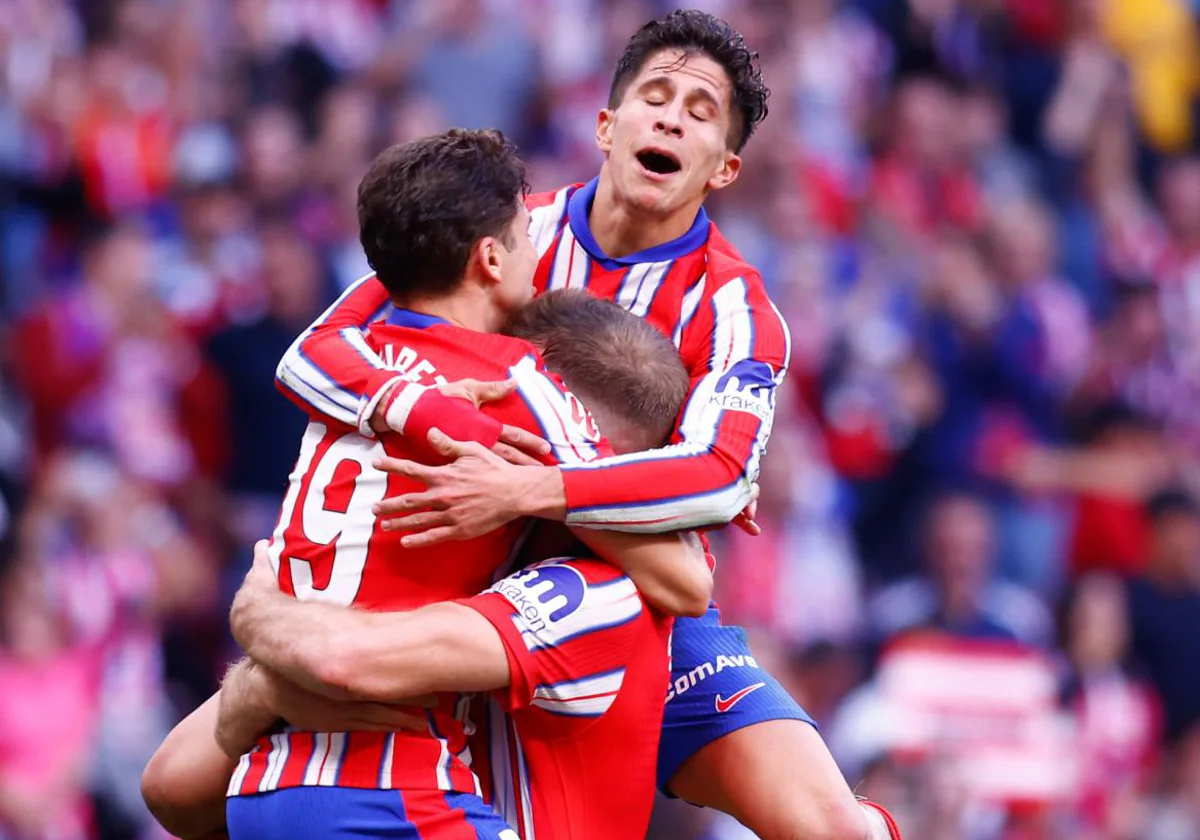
<point>543,494</point>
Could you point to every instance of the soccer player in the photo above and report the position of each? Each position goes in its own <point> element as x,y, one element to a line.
<point>448,209</point>
<point>686,96</point>
<point>584,660</point>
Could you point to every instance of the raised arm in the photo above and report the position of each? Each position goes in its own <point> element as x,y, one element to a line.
<point>704,479</point>
<point>332,373</point>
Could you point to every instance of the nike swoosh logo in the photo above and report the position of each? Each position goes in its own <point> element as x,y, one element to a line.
<point>724,705</point>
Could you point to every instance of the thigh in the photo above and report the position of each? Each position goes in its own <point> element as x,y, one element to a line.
<point>315,813</point>
<point>717,688</point>
<point>778,779</point>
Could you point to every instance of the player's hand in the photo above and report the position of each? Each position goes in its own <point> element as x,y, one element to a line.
<point>516,445</point>
<point>476,493</point>
<point>745,519</point>
<point>314,713</point>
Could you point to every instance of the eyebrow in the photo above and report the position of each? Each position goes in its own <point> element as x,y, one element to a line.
<point>662,80</point>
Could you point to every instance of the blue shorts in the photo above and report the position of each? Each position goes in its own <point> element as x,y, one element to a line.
<point>316,813</point>
<point>716,688</point>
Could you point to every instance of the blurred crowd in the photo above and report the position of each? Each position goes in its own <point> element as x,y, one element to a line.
<point>980,566</point>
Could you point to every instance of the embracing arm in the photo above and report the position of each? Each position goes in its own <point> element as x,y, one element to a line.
<point>671,571</point>
<point>351,654</point>
<point>184,784</point>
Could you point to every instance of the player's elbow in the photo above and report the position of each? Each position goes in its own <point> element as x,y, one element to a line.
<point>695,594</point>
<point>165,788</point>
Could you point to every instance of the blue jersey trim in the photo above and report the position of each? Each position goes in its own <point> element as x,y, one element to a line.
<point>580,204</point>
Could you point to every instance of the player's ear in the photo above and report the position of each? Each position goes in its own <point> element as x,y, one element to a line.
<point>487,257</point>
<point>726,173</point>
<point>604,128</point>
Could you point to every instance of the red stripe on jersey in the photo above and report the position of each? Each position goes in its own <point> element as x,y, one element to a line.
<point>258,768</point>
<point>437,820</point>
<point>363,757</point>
<point>301,746</point>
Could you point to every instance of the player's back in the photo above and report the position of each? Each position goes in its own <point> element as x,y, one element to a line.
<point>328,546</point>
<point>590,666</point>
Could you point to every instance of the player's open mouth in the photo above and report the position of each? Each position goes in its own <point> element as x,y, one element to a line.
<point>658,161</point>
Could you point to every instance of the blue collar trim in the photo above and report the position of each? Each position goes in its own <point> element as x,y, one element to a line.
<point>580,204</point>
<point>413,320</point>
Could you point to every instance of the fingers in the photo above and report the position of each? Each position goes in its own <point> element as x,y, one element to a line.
<point>748,525</point>
<point>515,456</point>
<point>411,469</point>
<point>399,505</point>
<point>431,537</point>
<point>451,448</point>
<point>485,392</point>
<point>524,440</point>
<point>419,521</point>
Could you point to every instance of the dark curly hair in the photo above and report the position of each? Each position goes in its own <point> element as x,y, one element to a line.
<point>422,207</point>
<point>699,32</point>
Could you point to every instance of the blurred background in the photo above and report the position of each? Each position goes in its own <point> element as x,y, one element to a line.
<point>980,567</point>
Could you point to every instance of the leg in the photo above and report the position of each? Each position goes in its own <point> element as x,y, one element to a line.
<point>776,778</point>
<point>734,740</point>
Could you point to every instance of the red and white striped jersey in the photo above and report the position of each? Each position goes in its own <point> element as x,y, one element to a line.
<point>589,661</point>
<point>329,547</point>
<point>696,289</point>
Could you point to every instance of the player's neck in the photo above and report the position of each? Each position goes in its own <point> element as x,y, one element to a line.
<point>462,309</point>
<point>621,230</point>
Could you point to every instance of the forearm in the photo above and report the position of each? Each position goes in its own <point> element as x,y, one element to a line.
<point>670,489</point>
<point>441,647</point>
<point>243,715</point>
<point>670,570</point>
<point>185,783</point>
<point>329,371</point>
<point>295,639</point>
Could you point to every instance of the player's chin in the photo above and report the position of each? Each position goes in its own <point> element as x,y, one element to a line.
<point>654,199</point>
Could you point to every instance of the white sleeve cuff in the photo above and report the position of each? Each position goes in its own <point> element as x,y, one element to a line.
<point>368,408</point>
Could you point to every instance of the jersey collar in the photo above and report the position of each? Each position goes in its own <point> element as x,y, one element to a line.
<point>413,320</point>
<point>577,213</point>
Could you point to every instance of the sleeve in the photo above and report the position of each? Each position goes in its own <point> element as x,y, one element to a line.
<point>704,478</point>
<point>567,638</point>
<point>330,371</point>
<point>556,414</point>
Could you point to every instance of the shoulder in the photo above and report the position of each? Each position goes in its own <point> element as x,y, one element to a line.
<point>726,264</point>
<point>567,596</point>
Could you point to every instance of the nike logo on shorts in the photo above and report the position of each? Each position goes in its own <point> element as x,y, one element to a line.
<point>725,704</point>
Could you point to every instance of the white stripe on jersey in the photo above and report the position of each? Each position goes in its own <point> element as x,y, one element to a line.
<point>333,762</point>
<point>389,756</point>
<point>239,774</point>
<point>733,339</point>
<point>640,285</point>
<point>543,221</point>
<point>571,264</point>
<point>276,762</point>
<point>691,303</point>
<point>504,793</point>
<point>522,785</point>
<point>553,411</point>
<point>605,606</point>
<point>582,688</point>
<point>321,749</point>
<point>583,707</point>
<point>443,764</point>
<point>302,376</point>
<point>686,511</point>
<point>354,337</point>
<point>587,697</point>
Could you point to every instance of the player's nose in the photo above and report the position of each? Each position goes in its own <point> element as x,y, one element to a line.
<point>670,121</point>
